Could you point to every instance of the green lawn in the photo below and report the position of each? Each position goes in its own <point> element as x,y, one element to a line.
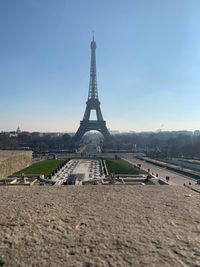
<point>119,166</point>
<point>45,167</point>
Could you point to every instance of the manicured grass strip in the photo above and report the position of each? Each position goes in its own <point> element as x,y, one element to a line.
<point>45,167</point>
<point>119,166</point>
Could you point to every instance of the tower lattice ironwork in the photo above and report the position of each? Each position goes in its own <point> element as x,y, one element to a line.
<point>92,103</point>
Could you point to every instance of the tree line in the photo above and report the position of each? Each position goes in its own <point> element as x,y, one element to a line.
<point>164,144</point>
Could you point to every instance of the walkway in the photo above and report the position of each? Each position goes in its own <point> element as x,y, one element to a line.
<point>175,178</point>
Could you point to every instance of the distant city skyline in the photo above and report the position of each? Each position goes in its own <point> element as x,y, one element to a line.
<point>147,63</point>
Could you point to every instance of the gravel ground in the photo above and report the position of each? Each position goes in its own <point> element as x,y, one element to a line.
<point>99,226</point>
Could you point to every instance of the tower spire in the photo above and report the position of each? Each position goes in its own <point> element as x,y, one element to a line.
<point>93,93</point>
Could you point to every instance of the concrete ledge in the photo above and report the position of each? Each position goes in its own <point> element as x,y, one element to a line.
<point>13,161</point>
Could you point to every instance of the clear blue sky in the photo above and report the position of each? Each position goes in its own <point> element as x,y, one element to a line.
<point>148,63</point>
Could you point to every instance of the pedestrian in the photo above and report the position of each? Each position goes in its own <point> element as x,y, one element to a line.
<point>167,178</point>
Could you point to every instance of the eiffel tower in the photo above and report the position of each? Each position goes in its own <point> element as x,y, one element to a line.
<point>92,103</point>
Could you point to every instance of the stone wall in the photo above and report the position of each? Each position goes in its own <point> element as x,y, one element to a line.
<point>13,161</point>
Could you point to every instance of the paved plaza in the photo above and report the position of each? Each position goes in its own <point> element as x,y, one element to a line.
<point>86,169</point>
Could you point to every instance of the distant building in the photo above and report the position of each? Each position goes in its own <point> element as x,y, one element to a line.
<point>18,131</point>
<point>11,133</point>
<point>196,132</point>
